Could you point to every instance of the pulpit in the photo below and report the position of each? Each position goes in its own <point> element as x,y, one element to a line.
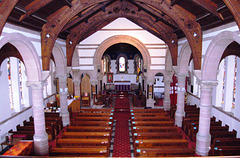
<point>122,86</point>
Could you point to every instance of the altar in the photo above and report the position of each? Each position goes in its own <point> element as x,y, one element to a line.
<point>122,85</point>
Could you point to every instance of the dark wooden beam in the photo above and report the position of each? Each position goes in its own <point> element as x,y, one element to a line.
<point>234,7</point>
<point>78,18</point>
<point>163,31</point>
<point>6,8</point>
<point>67,2</point>
<point>33,7</point>
<point>187,22</point>
<point>56,22</point>
<point>209,6</point>
<point>173,2</point>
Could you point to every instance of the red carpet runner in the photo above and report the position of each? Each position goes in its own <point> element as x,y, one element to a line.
<point>121,146</point>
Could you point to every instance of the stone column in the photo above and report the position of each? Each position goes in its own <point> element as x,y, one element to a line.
<point>63,91</point>
<point>150,100</point>
<point>203,136</point>
<point>166,100</point>
<point>180,100</point>
<point>76,81</point>
<point>40,137</point>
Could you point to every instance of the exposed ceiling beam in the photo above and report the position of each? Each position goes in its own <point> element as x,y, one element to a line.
<point>209,6</point>
<point>67,2</point>
<point>234,7</point>
<point>33,7</point>
<point>78,18</point>
<point>55,24</point>
<point>6,8</point>
<point>173,2</point>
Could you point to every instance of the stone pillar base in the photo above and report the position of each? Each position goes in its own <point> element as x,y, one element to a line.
<point>65,119</point>
<point>40,144</point>
<point>150,103</point>
<point>166,104</point>
<point>203,144</point>
<point>178,119</point>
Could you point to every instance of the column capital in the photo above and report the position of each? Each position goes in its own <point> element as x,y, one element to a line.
<point>76,82</point>
<point>181,76</point>
<point>62,77</point>
<point>35,84</point>
<point>208,84</point>
<point>93,82</point>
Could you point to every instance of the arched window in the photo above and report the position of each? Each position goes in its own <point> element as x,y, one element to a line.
<point>18,92</point>
<point>122,64</point>
<point>106,63</point>
<point>138,64</point>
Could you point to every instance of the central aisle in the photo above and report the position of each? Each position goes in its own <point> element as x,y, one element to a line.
<point>121,146</point>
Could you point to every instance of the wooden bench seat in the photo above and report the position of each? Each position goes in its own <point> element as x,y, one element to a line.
<point>52,114</point>
<point>157,143</point>
<point>226,142</point>
<point>77,135</point>
<point>163,152</point>
<point>148,114</point>
<point>157,135</point>
<point>89,129</point>
<point>222,134</point>
<point>93,118</point>
<point>152,123</point>
<point>92,123</point>
<point>94,114</point>
<point>225,151</point>
<point>96,111</point>
<point>139,129</point>
<point>155,118</point>
<point>147,111</point>
<point>79,152</point>
<point>82,143</point>
<point>29,134</point>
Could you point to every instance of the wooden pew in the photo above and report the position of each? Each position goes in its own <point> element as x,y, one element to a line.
<point>222,134</point>
<point>157,135</point>
<point>94,114</point>
<point>89,129</point>
<point>86,135</point>
<point>96,111</point>
<point>152,123</point>
<point>156,118</point>
<point>29,134</point>
<point>140,129</point>
<point>92,123</point>
<point>157,143</point>
<point>80,152</point>
<point>163,152</point>
<point>82,143</point>
<point>147,111</point>
<point>89,118</point>
<point>49,130</point>
<point>226,151</point>
<point>52,114</point>
<point>149,114</point>
<point>226,142</point>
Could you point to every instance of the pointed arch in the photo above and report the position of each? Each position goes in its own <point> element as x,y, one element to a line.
<point>184,58</point>
<point>214,53</point>
<point>60,59</point>
<point>28,53</point>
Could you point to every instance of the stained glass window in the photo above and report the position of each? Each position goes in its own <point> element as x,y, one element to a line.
<point>224,73</point>
<point>10,83</point>
<point>121,64</point>
<point>20,81</point>
<point>234,83</point>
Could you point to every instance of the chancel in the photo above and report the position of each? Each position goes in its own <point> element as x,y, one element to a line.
<point>120,78</point>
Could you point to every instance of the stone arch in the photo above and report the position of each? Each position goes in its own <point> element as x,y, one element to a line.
<point>121,39</point>
<point>59,58</point>
<point>214,53</point>
<point>75,59</point>
<point>184,58</point>
<point>28,53</point>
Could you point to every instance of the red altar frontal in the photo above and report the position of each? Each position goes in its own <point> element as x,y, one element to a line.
<point>122,85</point>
